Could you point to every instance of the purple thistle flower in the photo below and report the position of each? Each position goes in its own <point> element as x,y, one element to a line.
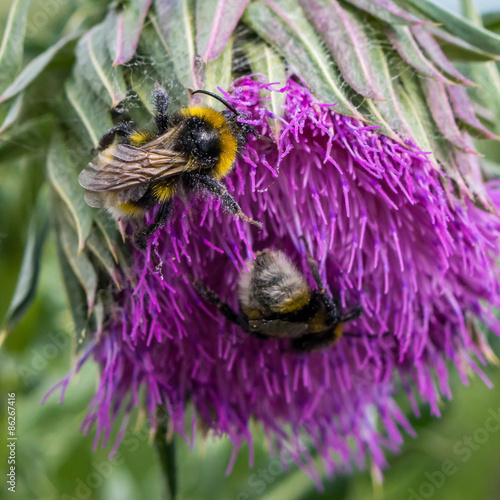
<point>387,231</point>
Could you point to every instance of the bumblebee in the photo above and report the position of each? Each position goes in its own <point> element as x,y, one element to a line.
<point>276,302</point>
<point>193,149</point>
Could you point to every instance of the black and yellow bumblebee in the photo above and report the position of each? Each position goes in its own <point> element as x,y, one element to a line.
<point>276,302</point>
<point>192,149</point>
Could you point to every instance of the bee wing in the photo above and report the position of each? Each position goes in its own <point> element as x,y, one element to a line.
<point>122,173</point>
<point>103,199</point>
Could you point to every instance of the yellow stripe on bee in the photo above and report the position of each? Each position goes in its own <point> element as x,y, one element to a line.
<point>296,302</point>
<point>139,137</point>
<point>229,145</point>
<point>163,191</point>
<point>131,209</point>
<point>339,330</point>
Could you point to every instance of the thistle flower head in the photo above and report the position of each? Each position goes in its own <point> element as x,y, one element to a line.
<point>388,232</point>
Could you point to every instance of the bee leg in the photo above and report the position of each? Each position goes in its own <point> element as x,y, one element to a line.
<point>210,184</point>
<point>331,304</point>
<point>352,314</point>
<point>313,267</point>
<point>122,129</point>
<point>368,335</point>
<point>140,237</point>
<point>226,310</point>
<point>161,101</point>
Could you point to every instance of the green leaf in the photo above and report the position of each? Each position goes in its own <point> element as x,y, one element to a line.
<point>343,32</point>
<point>35,67</point>
<point>413,108</point>
<point>282,24</point>
<point>27,280</point>
<point>491,21</point>
<point>176,25</point>
<point>98,247</point>
<point>129,26</point>
<point>12,114</point>
<point>218,73</point>
<point>386,11</point>
<point>91,110</point>
<point>403,41</point>
<point>64,178</point>
<point>434,51</point>
<point>265,61</point>
<point>94,63</point>
<point>456,49</point>
<point>487,75</point>
<point>388,113</point>
<point>158,66</point>
<point>215,23</point>
<point>11,50</point>
<point>465,112</point>
<point>460,27</point>
<point>79,262</point>
<point>440,107</point>
<point>75,294</point>
<point>109,232</point>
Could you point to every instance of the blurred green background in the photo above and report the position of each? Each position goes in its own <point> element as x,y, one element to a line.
<point>456,456</point>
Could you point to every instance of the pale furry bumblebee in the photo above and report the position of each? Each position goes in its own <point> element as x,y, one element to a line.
<point>276,302</point>
<point>192,149</point>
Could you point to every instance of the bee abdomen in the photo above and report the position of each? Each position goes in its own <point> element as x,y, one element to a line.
<point>273,285</point>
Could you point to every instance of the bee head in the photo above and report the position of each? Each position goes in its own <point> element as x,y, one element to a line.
<point>239,128</point>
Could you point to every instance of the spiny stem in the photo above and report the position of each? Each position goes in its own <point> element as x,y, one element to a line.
<point>166,452</point>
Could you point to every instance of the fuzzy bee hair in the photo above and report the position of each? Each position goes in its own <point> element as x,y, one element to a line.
<point>276,302</point>
<point>272,284</point>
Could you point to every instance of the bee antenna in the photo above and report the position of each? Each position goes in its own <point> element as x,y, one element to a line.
<point>215,96</point>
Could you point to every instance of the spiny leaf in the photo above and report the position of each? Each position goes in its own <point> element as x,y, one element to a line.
<point>387,11</point>
<point>176,23</point>
<point>97,245</point>
<point>344,35</point>
<point>94,63</point>
<point>160,67</point>
<point>215,23</point>
<point>64,178</point>
<point>35,67</point>
<point>455,48</point>
<point>27,280</point>
<point>128,29</point>
<point>412,107</point>
<point>466,30</point>
<point>470,169</point>
<point>282,24</point>
<point>76,295</point>
<point>11,50</point>
<point>12,114</point>
<point>387,113</point>
<point>439,105</point>
<point>427,42</point>
<point>487,75</point>
<point>91,110</point>
<point>79,262</point>
<point>464,111</point>
<point>218,73</point>
<point>107,227</point>
<point>266,62</point>
<point>403,41</point>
